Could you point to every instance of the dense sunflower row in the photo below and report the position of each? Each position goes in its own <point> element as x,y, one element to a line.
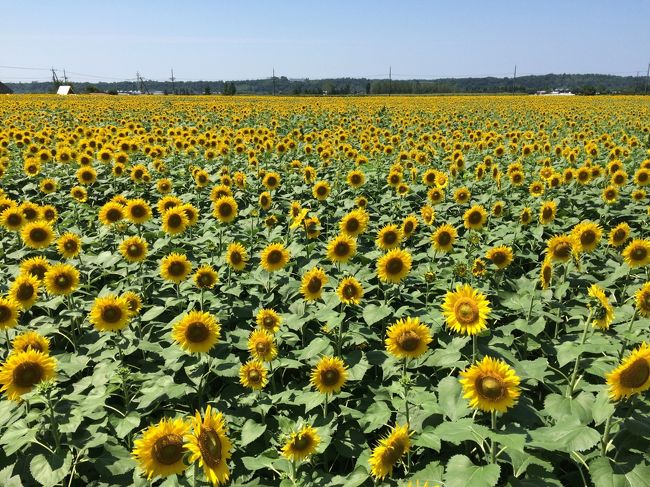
<point>325,291</point>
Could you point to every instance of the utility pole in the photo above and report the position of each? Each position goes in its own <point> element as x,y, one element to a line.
<point>55,80</point>
<point>514,78</point>
<point>172,79</point>
<point>273,81</point>
<point>141,86</point>
<point>647,76</point>
<point>65,77</point>
<point>390,80</point>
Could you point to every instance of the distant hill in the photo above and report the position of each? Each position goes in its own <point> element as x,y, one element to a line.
<point>577,83</point>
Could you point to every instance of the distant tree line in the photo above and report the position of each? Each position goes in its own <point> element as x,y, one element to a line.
<point>281,85</point>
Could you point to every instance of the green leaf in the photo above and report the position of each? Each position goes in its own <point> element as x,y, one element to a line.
<point>51,469</point>
<point>603,407</point>
<point>604,474</point>
<point>373,313</point>
<point>450,398</point>
<point>567,435</point>
<point>462,430</point>
<point>264,460</point>
<point>17,435</point>
<point>560,407</point>
<point>428,439</point>
<point>152,313</point>
<point>127,424</point>
<point>376,416</point>
<point>432,473</point>
<point>461,472</point>
<point>251,431</point>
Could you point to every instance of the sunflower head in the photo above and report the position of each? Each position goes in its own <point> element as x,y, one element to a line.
<point>209,444</point>
<point>601,310</point>
<point>197,332</point>
<point>134,249</point>
<point>110,313</point>
<point>466,310</point>
<point>175,267</point>
<point>31,340</point>
<point>490,385</point>
<point>9,311</point>
<point>408,338</point>
<point>274,257</point>
<point>269,320</point>
<point>632,376</point>
<point>225,209</point>
<point>61,279</point>
<point>301,444</point>
<point>23,370</point>
<point>35,266</point>
<point>341,248</point>
<point>394,266</point>
<point>443,238</point>
<point>389,237</point>
<point>206,277</point>
<point>24,290</point>
<point>587,235</point>
<point>637,253</point>
<point>313,282</point>
<point>161,450</point>
<point>329,375</point>
<point>69,245</point>
<point>389,451</point>
<point>37,234</point>
<point>349,290</point>
<point>236,256</point>
<point>261,345</point>
<point>253,374</point>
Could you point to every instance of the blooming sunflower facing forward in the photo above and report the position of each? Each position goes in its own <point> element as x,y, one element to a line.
<point>23,370</point>
<point>408,338</point>
<point>341,248</point>
<point>301,444</point>
<point>642,300</point>
<point>389,451</point>
<point>500,256</point>
<point>274,257</point>
<point>601,309</point>
<point>35,266</point>
<point>389,237</point>
<point>61,279</point>
<point>587,235</point>
<point>637,253</point>
<point>349,290</point>
<point>466,310</point>
<point>236,256</point>
<point>24,290</point>
<point>312,284</point>
<point>69,245</point>
<point>261,345</point>
<point>354,223</point>
<point>9,311</point>
<point>490,385</point>
<point>253,375</point>
<point>37,235</point>
<point>197,332</point>
<point>205,277</point>
<point>161,449</point>
<point>174,221</point>
<point>210,446</point>
<point>329,375</point>
<point>632,375</point>
<point>225,209</point>
<point>110,313</point>
<point>619,234</point>
<point>394,266</point>
<point>475,217</point>
<point>138,211</point>
<point>269,320</point>
<point>134,249</point>
<point>443,238</point>
<point>560,247</point>
<point>175,267</point>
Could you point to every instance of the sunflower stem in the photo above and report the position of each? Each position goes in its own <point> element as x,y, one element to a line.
<point>339,341</point>
<point>493,443</point>
<point>474,348</point>
<point>576,365</point>
<point>605,440</point>
<point>626,341</point>
<point>53,425</point>
<point>627,281</point>
<point>405,383</point>
<point>325,405</point>
<point>7,341</point>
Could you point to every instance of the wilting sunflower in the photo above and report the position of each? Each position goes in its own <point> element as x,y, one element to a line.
<point>133,301</point>
<point>354,223</point>
<point>69,245</point>
<point>205,277</point>
<point>261,345</point>
<point>389,237</point>
<point>475,217</point>
<point>225,209</point>
<point>329,375</point>
<point>466,310</point>
<point>443,238</point>
<point>161,450</point>
<point>642,300</point>
<point>546,273</point>
<point>61,279</point>
<point>500,256</point>
<point>389,451</point>
<point>274,257</point>
<point>349,291</point>
<point>267,319</point>
<point>321,190</point>
<point>37,235</point>
<point>560,247</point>
<point>490,385</point>
<point>236,256</point>
<point>174,221</point>
<point>301,444</point>
<point>619,234</point>
<point>313,282</point>
<point>111,213</point>
<point>210,446</point>
<point>110,313</point>
<point>409,224</point>
<point>197,332</point>
<point>23,370</point>
<point>31,340</point>
<point>138,211</point>
<point>586,236</point>
<point>637,253</point>
<point>175,267</point>
<point>408,338</point>
<point>632,375</point>
<point>134,249</point>
<point>394,266</point>
<point>9,311</point>
<point>253,375</point>
<point>35,266</point>
<point>601,310</point>
<point>341,248</point>
<point>24,290</point>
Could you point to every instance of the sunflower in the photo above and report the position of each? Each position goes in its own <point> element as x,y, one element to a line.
<point>69,245</point>
<point>475,217</point>
<point>349,290</point>
<point>637,253</point>
<point>86,175</point>
<point>23,370</point>
<point>261,345</point>
<point>274,257</point>
<point>389,237</point>
<point>490,385</point>
<point>271,180</point>
<point>210,446</point>
<point>205,277</point>
<point>341,248</point>
<point>134,249</point>
<point>110,313</point>
<point>168,202</point>
<point>12,219</point>
<point>79,193</point>
<point>436,195</point>
<point>47,186</point>
<point>409,224</point>
<point>500,256</point>
<point>24,290</point>
<point>586,236</point>
<point>443,238</point>
<point>547,212</point>
<point>236,256</point>
<point>49,213</point>
<point>329,375</point>
<point>642,300</point>
<point>479,268</point>
<point>30,211</point>
<point>175,267</point>
<point>560,247</point>
<point>174,221</point>
<point>312,227</point>
<point>61,279</point>
<point>354,223</point>
<point>138,211</point>
<point>197,332</point>
<point>462,195</point>
<point>31,340</point>
<point>312,284</point>
<point>37,235</point>
<point>526,216</point>
<point>265,200</point>
<point>111,213</point>
<point>408,338</point>
<point>546,273</point>
<point>267,319</point>
<point>601,309</point>
<point>225,209</point>
<point>619,234</point>
<point>253,375</point>
<point>133,301</point>
<point>632,375</point>
<point>161,450</point>
<point>389,451</point>
<point>301,444</point>
<point>35,266</point>
<point>356,178</point>
<point>610,194</point>
<point>9,311</point>
<point>466,310</point>
<point>394,266</point>
<point>536,189</point>
<point>321,190</point>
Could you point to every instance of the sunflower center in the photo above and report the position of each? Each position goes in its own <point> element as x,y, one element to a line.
<point>70,245</point>
<point>113,215</point>
<point>138,211</point>
<point>38,235</point>
<point>619,235</point>
<point>262,347</point>
<point>330,377</point>
<point>394,266</point>
<point>638,254</point>
<point>205,279</point>
<point>444,238</point>
<point>352,225</point>
<point>322,190</point>
<point>349,291</point>
<point>562,250</point>
<point>547,273</point>
<point>314,285</point>
<point>175,221</point>
<point>499,258</point>
<point>235,258</point>
<point>168,449</point>
<point>302,442</point>
<point>14,220</point>
<point>393,453</point>
<point>390,238</point>
<point>254,376</point>
<point>5,314</point>
<point>356,179</point>
<point>490,388</point>
<point>112,314</point>
<point>197,332</point>
<point>25,292</point>
<point>636,374</point>
<point>134,250</point>
<point>30,213</point>
<point>269,322</point>
<point>177,268</point>
<point>547,213</point>
<point>225,210</point>
<point>466,311</point>
<point>408,227</point>
<point>342,249</point>
<point>588,237</point>
<point>409,341</point>
<point>62,281</point>
<point>27,374</point>
<point>475,217</point>
<point>210,447</point>
<point>274,257</point>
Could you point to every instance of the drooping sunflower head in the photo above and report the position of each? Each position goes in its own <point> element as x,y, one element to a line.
<point>443,238</point>
<point>225,209</point>
<point>61,279</point>
<point>236,256</point>
<point>466,310</point>
<point>632,376</point>
<point>490,385</point>
<point>9,311</point>
<point>175,267</point>
<point>341,248</point>
<point>69,245</point>
<point>394,266</point>
<point>267,319</point>
<point>37,234</point>
<point>637,253</point>
<point>329,375</point>
<point>25,290</point>
<point>197,332</point>
<point>546,273</point>
<point>313,282</point>
<point>349,290</point>
<point>601,309</point>
<point>408,338</point>
<point>206,277</point>
<point>253,374</point>
<point>587,235</point>
<point>475,217</point>
<point>110,313</point>
<point>134,249</point>
<point>161,450</point>
<point>301,444</point>
<point>261,345</point>
<point>389,451</point>
<point>479,267</point>
<point>274,257</point>
<point>23,370</point>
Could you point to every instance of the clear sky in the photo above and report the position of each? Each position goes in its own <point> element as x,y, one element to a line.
<point>222,40</point>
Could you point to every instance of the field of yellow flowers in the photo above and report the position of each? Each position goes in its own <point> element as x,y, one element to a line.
<point>324,291</point>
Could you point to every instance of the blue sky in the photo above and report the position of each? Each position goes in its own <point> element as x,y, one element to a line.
<point>247,39</point>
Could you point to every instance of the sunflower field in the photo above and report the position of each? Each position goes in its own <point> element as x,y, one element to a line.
<point>263,291</point>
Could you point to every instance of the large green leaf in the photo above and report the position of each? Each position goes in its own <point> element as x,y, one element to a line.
<point>461,472</point>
